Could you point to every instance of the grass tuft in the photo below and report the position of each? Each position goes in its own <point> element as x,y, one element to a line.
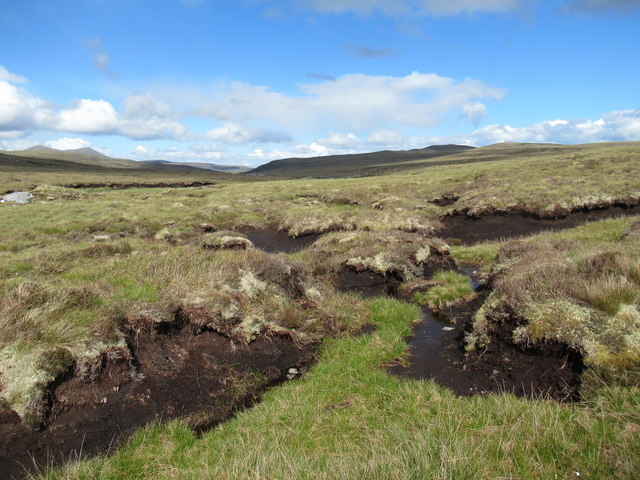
<point>451,287</point>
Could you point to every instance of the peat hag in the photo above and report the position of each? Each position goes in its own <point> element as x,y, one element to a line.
<point>168,372</point>
<point>497,226</point>
<point>273,240</point>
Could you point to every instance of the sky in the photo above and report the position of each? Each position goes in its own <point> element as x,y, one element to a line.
<point>244,82</point>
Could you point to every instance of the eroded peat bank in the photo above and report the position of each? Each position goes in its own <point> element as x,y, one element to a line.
<point>164,372</point>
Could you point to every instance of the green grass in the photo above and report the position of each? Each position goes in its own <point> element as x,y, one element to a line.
<point>451,287</point>
<point>347,418</point>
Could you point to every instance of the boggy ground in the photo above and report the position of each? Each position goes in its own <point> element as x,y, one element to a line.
<point>436,351</point>
<point>437,346</point>
<point>470,229</point>
<point>165,373</point>
<point>273,240</point>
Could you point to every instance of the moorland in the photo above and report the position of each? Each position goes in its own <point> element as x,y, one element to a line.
<point>467,314</point>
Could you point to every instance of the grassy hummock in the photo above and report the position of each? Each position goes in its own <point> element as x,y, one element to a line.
<point>451,287</point>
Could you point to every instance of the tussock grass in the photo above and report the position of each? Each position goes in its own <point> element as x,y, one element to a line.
<point>451,287</point>
<point>610,293</point>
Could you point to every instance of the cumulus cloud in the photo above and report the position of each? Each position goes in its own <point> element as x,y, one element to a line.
<point>144,117</point>
<point>622,125</point>
<point>368,53</point>
<point>88,116</point>
<point>68,143</point>
<point>357,101</point>
<point>234,134</point>
<point>411,7</point>
<point>19,109</point>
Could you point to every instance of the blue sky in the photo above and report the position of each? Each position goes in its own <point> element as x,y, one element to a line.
<point>249,81</point>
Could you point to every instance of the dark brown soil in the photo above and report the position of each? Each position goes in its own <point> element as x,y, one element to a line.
<point>547,371</point>
<point>273,240</point>
<point>471,230</point>
<point>204,378</point>
<point>367,283</point>
<point>124,186</point>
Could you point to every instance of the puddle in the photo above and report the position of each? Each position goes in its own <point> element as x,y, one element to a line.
<point>436,352</point>
<point>369,284</point>
<point>273,240</point>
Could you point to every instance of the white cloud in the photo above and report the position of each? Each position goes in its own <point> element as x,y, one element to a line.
<point>19,110</point>
<point>233,134</point>
<point>340,140</point>
<point>622,125</point>
<point>410,7</point>
<point>259,155</point>
<point>143,104</point>
<point>88,116</point>
<point>7,76</point>
<point>357,102</point>
<point>152,128</point>
<point>196,153</point>
<point>474,111</point>
<point>144,116</point>
<point>68,143</point>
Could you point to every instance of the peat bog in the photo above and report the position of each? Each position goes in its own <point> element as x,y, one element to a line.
<point>170,371</point>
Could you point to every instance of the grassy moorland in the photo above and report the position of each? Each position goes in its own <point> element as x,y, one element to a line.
<point>75,262</point>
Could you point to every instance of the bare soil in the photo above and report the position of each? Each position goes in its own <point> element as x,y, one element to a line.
<point>166,373</point>
<point>273,240</point>
<point>501,225</point>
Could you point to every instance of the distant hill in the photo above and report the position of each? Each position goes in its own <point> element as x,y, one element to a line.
<point>93,158</point>
<point>358,164</point>
<point>200,166</point>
